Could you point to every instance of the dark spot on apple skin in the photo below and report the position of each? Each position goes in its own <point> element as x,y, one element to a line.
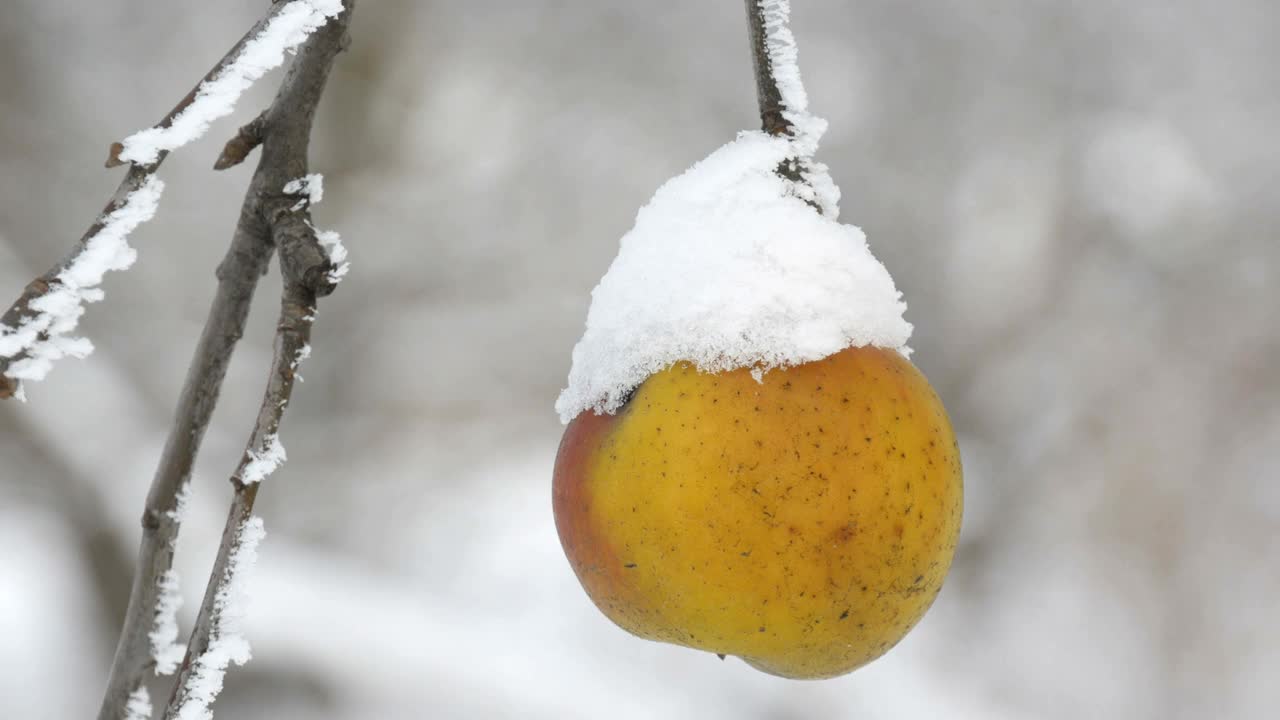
<point>843,534</point>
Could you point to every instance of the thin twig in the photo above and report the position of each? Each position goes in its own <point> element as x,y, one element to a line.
<point>238,274</point>
<point>767,93</point>
<point>284,157</point>
<point>137,175</point>
<point>305,265</point>
<point>292,336</point>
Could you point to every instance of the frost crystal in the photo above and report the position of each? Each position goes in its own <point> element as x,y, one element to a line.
<point>780,45</point>
<point>46,336</point>
<point>165,649</point>
<point>265,461</point>
<point>310,187</point>
<point>138,706</point>
<point>304,353</point>
<point>226,644</point>
<point>729,267</point>
<point>332,243</point>
<point>183,499</point>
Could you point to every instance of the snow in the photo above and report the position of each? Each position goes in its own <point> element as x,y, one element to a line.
<point>304,353</point>
<point>780,45</point>
<point>165,648</point>
<point>180,504</point>
<point>139,705</point>
<point>217,97</point>
<point>266,460</point>
<point>226,644</point>
<point>45,337</point>
<point>729,266</point>
<point>332,243</point>
<point>807,129</point>
<point>166,651</point>
<point>727,269</point>
<point>310,187</point>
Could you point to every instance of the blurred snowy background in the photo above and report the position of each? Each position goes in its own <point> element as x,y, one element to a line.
<point>1079,201</point>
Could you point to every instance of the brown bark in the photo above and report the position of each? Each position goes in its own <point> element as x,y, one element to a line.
<point>267,224</point>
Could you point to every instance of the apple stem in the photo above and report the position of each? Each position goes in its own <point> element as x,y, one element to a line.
<point>781,95</point>
<point>769,96</point>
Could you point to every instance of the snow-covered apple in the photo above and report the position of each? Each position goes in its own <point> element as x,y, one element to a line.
<point>803,523</point>
<point>752,465</point>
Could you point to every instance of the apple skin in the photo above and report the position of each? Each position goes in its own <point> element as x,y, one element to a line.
<point>804,523</point>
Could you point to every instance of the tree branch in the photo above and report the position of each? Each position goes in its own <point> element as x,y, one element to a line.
<point>285,132</point>
<point>307,272</point>
<point>768,95</point>
<point>200,665</point>
<point>113,154</point>
<point>783,105</point>
<point>22,311</point>
<point>238,274</point>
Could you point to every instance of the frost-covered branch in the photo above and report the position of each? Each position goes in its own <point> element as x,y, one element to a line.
<point>216,641</point>
<point>283,131</point>
<point>37,329</point>
<point>264,49</point>
<point>768,92</point>
<point>784,105</point>
<point>222,642</point>
<point>280,197</point>
<point>310,268</point>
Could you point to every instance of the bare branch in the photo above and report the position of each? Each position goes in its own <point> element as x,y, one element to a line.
<point>285,133</point>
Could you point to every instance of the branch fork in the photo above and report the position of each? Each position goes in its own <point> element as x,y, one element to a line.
<point>267,226</point>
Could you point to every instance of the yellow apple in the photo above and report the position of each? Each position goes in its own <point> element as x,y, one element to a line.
<point>804,522</point>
